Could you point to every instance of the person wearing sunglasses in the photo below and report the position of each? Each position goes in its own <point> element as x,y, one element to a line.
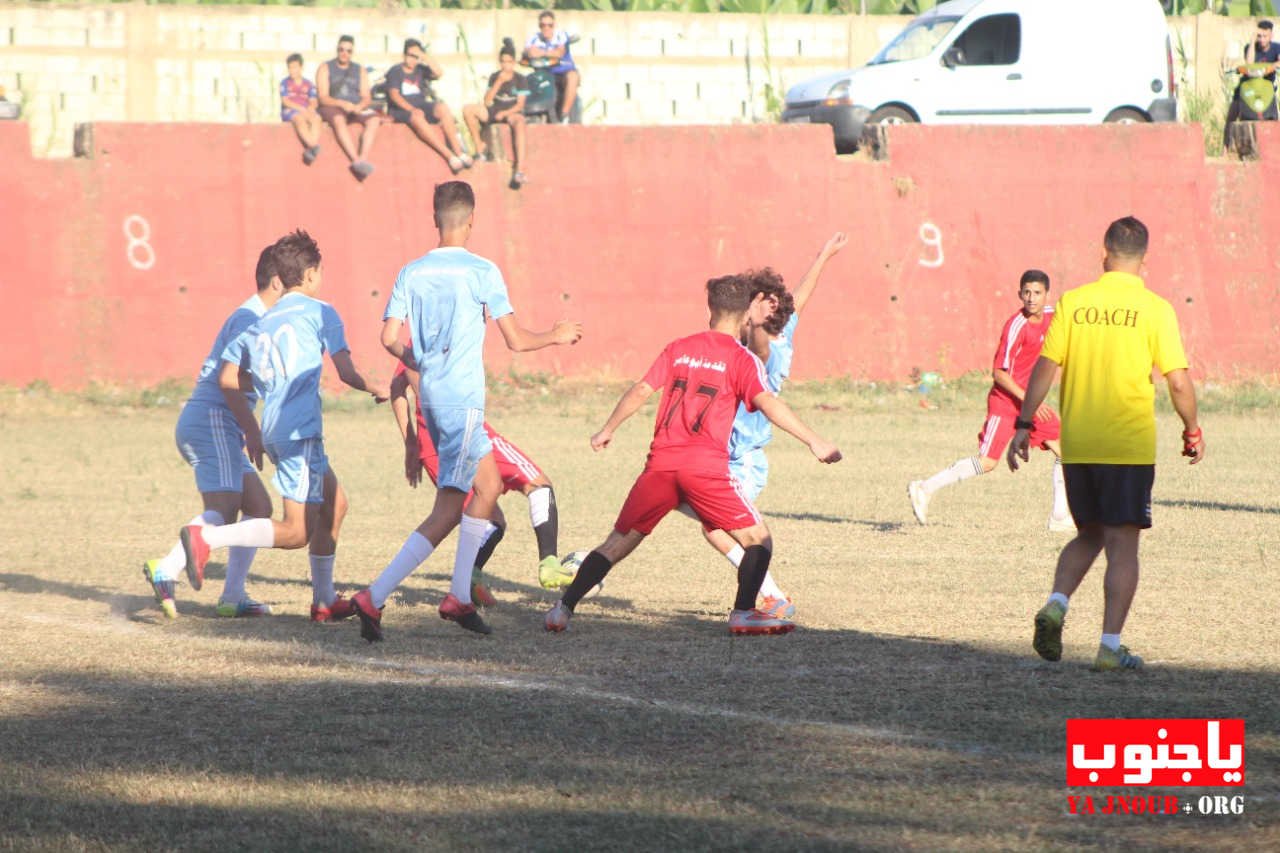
<point>552,44</point>
<point>345,99</point>
<point>411,101</point>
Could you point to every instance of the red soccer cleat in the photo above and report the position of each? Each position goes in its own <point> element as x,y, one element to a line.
<point>464,614</point>
<point>193,544</point>
<point>755,622</point>
<point>370,616</point>
<point>341,608</point>
<point>481,595</point>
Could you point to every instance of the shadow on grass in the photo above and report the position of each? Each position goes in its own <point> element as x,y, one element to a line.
<point>1219,506</point>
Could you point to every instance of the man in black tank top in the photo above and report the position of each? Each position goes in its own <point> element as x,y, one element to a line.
<point>345,97</point>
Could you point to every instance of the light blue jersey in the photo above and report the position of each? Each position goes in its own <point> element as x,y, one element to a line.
<point>285,351</point>
<point>443,296</point>
<point>752,430</point>
<point>207,390</point>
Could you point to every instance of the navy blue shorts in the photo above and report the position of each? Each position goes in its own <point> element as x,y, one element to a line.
<point>1113,495</point>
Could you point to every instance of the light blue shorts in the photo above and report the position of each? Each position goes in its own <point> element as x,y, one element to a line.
<point>461,442</point>
<point>300,469</point>
<point>751,470</point>
<point>209,438</point>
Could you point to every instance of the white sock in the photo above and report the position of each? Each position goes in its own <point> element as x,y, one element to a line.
<point>961,469</point>
<point>1111,641</point>
<point>1061,599</point>
<point>173,563</point>
<point>471,536</point>
<point>239,559</point>
<point>414,550</point>
<point>1060,508</point>
<point>251,533</point>
<point>769,589</point>
<point>539,506</point>
<point>322,591</point>
<point>735,555</point>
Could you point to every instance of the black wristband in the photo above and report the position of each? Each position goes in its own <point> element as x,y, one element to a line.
<point>1023,424</point>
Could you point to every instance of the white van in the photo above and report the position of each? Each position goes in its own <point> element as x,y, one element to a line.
<point>1004,62</point>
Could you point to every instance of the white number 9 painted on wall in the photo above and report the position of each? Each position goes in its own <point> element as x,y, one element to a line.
<point>137,249</point>
<point>931,236</point>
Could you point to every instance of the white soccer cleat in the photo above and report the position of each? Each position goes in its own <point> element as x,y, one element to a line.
<point>557,620</point>
<point>1061,524</point>
<point>919,500</point>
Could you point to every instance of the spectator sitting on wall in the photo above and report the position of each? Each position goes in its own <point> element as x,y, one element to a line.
<point>343,88</point>
<point>552,44</point>
<point>410,101</point>
<point>503,104</point>
<point>298,102</point>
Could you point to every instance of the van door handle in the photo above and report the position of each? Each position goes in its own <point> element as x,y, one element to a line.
<point>1014,76</point>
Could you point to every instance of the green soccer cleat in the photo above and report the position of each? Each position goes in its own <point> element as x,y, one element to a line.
<point>1048,637</point>
<point>243,607</point>
<point>163,590</point>
<point>553,575</point>
<point>1109,661</point>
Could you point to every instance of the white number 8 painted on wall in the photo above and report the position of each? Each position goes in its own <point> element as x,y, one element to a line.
<point>137,249</point>
<point>931,235</point>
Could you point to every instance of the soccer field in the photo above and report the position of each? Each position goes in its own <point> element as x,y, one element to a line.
<point>908,711</point>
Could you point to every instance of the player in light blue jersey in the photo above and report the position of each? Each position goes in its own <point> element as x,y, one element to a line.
<point>212,443</point>
<point>773,344</point>
<point>443,297</point>
<point>283,352</point>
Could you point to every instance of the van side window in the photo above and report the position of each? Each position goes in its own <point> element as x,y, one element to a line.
<point>993,40</point>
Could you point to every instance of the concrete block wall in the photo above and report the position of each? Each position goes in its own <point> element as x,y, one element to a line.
<point>223,64</point>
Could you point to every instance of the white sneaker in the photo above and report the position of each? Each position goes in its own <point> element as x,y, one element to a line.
<point>557,619</point>
<point>919,500</point>
<point>1061,524</point>
<point>455,165</point>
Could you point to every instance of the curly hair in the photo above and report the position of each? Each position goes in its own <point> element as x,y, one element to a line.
<point>767,281</point>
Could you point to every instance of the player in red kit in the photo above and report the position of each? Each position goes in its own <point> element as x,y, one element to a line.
<point>703,378</point>
<point>1019,348</point>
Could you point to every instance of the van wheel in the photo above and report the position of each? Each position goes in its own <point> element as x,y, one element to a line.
<point>1124,115</point>
<point>891,115</point>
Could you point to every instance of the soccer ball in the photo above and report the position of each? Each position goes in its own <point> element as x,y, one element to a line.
<point>572,562</point>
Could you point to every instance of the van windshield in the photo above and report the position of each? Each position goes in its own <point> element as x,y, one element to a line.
<point>917,41</point>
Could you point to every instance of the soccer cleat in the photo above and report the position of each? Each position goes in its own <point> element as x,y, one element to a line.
<point>340,609</point>
<point>192,539</point>
<point>553,575</point>
<point>370,616</point>
<point>244,607</point>
<point>481,595</point>
<point>1109,661</point>
<point>1048,637</point>
<point>464,614</point>
<point>557,620</point>
<point>1061,524</point>
<point>778,608</point>
<point>163,590</point>
<point>919,500</point>
<point>756,622</point>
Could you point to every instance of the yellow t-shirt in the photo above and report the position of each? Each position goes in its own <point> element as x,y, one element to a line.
<point>1107,335</point>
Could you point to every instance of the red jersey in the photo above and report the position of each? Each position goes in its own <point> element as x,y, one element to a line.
<point>703,378</point>
<point>1019,349</point>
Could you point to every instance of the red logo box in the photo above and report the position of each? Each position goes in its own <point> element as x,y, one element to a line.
<point>1114,753</point>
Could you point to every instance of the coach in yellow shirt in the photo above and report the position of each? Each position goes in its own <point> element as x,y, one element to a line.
<point>1107,336</point>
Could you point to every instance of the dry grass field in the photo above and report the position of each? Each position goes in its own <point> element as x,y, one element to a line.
<point>907,712</point>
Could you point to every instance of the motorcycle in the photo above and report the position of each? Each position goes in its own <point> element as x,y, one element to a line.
<point>543,100</point>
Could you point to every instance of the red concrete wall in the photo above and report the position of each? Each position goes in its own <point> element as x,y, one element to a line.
<point>620,227</point>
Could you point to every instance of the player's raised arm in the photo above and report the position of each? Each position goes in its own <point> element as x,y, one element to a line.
<point>809,283</point>
<point>628,405</point>
<point>782,417</point>
<point>520,339</point>
<point>229,382</point>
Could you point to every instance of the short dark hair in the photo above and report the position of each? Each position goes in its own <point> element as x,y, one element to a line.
<point>727,294</point>
<point>453,202</point>
<point>1034,275</point>
<point>546,13</point>
<point>408,43</point>
<point>293,57</point>
<point>1126,238</point>
<point>351,40</point>
<point>1265,25</point>
<point>508,48</point>
<point>295,253</point>
<point>266,268</point>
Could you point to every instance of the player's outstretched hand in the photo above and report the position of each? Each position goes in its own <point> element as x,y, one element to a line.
<point>837,242</point>
<point>1045,412</point>
<point>825,451</point>
<point>1019,447</point>
<point>567,331</point>
<point>601,440</point>
<point>1193,445</point>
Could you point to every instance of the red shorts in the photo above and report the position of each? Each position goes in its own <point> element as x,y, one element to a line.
<point>516,469</point>
<point>999,428</point>
<point>716,497</point>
